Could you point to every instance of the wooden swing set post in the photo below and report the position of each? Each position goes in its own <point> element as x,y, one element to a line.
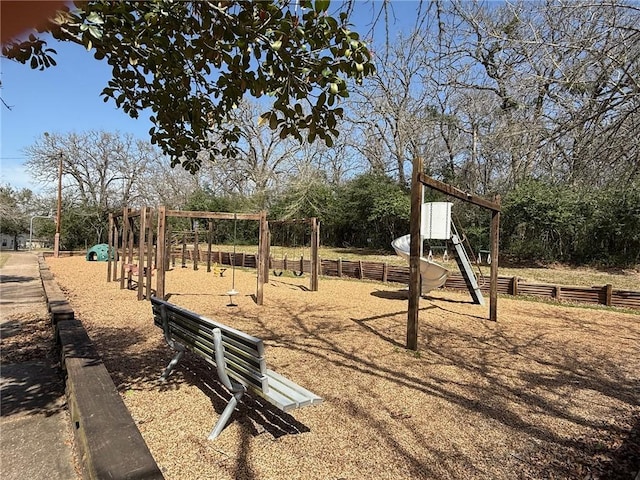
<point>125,246</point>
<point>419,178</point>
<point>315,247</point>
<point>184,250</point>
<point>113,248</point>
<point>414,256</point>
<point>125,255</point>
<point>162,251</point>
<point>196,247</point>
<point>110,251</point>
<point>209,241</point>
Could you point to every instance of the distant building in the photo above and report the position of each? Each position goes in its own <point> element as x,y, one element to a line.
<point>7,242</point>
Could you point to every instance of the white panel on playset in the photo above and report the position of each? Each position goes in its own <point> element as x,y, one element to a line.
<point>436,221</point>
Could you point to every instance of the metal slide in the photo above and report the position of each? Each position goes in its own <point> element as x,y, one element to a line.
<point>433,275</point>
<point>466,269</point>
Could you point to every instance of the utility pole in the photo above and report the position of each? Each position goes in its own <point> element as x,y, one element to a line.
<point>56,241</point>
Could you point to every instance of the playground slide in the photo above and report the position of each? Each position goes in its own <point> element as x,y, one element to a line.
<point>433,275</point>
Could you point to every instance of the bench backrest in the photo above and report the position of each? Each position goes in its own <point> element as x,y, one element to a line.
<point>244,354</point>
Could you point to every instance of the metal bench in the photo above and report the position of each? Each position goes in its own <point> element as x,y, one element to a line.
<point>238,359</point>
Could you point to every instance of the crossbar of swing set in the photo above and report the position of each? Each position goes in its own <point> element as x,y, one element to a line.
<point>213,215</point>
<point>292,221</point>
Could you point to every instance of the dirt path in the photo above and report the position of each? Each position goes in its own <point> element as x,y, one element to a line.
<point>548,391</point>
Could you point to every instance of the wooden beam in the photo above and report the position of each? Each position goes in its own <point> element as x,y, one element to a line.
<point>209,241</point>
<point>213,215</point>
<point>125,244</point>
<point>414,258</point>
<point>110,251</point>
<point>162,246</point>
<point>315,246</point>
<point>263,249</point>
<point>291,221</point>
<point>149,242</point>
<point>457,193</point>
<point>267,247</point>
<point>116,244</point>
<point>196,247</point>
<point>495,240</point>
<point>141,245</point>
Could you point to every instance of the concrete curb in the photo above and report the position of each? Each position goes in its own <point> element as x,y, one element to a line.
<point>108,440</point>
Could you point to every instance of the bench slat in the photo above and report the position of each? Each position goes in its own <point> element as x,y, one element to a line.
<point>238,368</point>
<point>299,394</point>
<point>252,353</point>
<point>241,337</point>
<point>276,398</point>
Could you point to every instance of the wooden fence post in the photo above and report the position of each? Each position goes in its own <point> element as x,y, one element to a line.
<point>608,293</point>
<point>557,292</point>
<point>514,286</point>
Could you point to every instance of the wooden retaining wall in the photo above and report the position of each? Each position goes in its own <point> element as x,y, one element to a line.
<point>384,272</point>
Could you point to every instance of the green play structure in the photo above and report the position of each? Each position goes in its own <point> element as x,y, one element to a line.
<point>98,253</point>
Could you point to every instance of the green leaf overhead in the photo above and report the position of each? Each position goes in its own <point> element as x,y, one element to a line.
<point>191,63</point>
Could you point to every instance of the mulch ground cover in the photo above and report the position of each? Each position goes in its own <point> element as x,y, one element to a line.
<point>548,391</point>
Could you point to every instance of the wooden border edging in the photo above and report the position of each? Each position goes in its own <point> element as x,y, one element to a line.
<point>514,286</point>
<point>107,438</point>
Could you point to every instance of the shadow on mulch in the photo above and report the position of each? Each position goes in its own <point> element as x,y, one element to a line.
<point>257,414</point>
<point>253,412</point>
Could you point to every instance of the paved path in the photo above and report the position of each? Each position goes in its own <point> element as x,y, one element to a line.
<point>36,439</point>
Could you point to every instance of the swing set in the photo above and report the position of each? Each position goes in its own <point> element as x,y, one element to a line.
<point>164,246</point>
<point>420,180</point>
<point>287,236</point>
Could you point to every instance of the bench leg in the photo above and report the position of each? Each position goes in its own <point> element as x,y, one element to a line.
<point>174,361</point>
<point>226,414</point>
<point>236,389</point>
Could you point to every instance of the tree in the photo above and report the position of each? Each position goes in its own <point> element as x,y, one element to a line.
<point>391,110</point>
<point>191,63</point>
<point>101,170</point>
<point>566,98</point>
<point>263,157</point>
<point>16,206</point>
<point>102,173</point>
<point>372,210</point>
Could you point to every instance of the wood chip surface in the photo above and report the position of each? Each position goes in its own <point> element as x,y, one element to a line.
<point>546,392</point>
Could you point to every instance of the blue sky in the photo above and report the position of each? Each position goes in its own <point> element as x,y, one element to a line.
<point>66,98</point>
<point>61,99</point>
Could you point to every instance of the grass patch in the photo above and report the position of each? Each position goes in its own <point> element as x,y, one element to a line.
<point>588,306</point>
<point>3,258</point>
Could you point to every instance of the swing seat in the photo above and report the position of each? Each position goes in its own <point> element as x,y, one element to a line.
<point>218,270</point>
